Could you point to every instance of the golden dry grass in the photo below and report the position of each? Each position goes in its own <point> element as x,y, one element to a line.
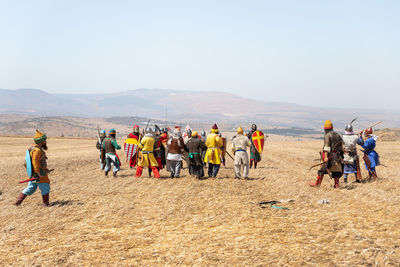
<point>95,220</point>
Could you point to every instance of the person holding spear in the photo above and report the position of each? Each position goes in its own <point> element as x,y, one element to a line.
<point>371,157</point>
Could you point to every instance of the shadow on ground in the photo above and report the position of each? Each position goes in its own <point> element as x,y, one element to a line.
<point>62,203</point>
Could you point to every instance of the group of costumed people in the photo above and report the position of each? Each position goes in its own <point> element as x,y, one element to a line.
<point>339,155</point>
<point>159,148</point>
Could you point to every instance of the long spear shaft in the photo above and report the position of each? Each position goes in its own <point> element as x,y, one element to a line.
<point>147,125</point>
<point>229,155</point>
<point>379,122</point>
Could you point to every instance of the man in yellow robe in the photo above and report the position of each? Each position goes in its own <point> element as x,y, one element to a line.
<point>40,170</point>
<point>147,160</point>
<point>213,153</point>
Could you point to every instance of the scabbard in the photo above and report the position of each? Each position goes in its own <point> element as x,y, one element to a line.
<point>367,162</point>
<point>359,177</point>
<point>27,180</point>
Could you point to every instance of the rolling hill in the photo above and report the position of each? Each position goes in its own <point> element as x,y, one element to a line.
<point>185,106</point>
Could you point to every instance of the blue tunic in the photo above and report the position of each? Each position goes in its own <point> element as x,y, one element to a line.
<point>369,146</point>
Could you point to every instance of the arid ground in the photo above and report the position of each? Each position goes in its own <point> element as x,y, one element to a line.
<point>96,220</point>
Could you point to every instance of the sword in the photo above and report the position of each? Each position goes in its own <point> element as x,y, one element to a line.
<point>147,125</point>
<point>35,178</point>
<point>28,180</point>
<point>353,120</point>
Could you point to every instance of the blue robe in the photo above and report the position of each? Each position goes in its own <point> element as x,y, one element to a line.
<point>369,146</point>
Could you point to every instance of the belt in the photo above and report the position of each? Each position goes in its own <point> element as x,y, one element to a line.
<point>240,150</point>
<point>147,152</point>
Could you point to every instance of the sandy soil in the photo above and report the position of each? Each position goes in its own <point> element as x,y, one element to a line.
<point>94,220</point>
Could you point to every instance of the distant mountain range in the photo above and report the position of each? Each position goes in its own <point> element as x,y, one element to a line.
<point>185,106</point>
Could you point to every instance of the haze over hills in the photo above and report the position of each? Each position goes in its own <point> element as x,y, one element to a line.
<point>187,106</point>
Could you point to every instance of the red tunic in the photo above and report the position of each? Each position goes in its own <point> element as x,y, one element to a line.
<point>133,160</point>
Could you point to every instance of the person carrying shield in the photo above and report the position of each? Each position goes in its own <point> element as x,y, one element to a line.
<point>213,153</point>
<point>332,156</point>
<point>40,171</point>
<point>99,146</point>
<point>163,146</point>
<point>371,157</point>
<point>135,135</point>
<point>239,146</point>
<point>255,156</point>
<point>110,145</point>
<point>147,160</point>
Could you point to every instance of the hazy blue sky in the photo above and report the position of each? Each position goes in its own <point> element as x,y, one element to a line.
<point>291,51</point>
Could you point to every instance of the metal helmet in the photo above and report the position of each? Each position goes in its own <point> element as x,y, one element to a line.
<point>349,128</point>
<point>136,128</point>
<point>149,130</point>
<point>103,131</point>
<point>254,127</point>
<point>112,131</point>
<point>369,131</point>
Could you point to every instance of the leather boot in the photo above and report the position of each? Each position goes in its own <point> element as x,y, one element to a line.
<point>318,181</point>
<point>156,172</point>
<point>358,180</point>
<point>45,199</point>
<point>336,183</point>
<point>138,171</point>
<point>20,198</point>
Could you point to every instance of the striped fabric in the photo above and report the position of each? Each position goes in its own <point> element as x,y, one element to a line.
<point>130,150</point>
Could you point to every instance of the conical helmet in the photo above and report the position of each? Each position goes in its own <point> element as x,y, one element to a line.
<point>349,128</point>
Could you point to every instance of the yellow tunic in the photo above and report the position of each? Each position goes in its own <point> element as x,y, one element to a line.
<point>213,154</point>
<point>147,146</point>
<point>39,164</point>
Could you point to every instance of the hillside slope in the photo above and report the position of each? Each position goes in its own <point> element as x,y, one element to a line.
<point>186,106</point>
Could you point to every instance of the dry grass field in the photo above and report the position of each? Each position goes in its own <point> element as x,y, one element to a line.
<point>94,220</point>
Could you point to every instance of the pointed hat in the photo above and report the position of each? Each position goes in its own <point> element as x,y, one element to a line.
<point>39,137</point>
